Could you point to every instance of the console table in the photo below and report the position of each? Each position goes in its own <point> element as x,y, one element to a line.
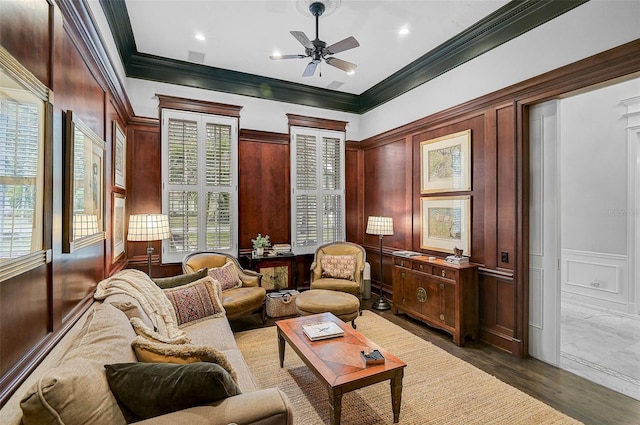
<point>276,270</point>
<point>441,294</point>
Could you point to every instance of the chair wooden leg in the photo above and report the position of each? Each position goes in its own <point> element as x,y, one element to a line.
<point>353,323</point>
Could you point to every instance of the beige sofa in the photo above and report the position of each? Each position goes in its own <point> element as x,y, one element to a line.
<point>72,388</point>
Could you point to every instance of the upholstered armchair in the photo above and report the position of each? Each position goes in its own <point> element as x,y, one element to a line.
<point>339,266</point>
<point>248,297</point>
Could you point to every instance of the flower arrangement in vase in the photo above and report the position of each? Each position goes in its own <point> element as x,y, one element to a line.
<point>260,243</point>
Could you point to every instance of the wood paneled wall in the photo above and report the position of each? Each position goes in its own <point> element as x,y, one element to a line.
<point>37,307</point>
<point>499,195</point>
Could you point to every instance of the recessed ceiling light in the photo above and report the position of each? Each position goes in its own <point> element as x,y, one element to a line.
<point>200,36</point>
<point>276,54</point>
<point>351,72</point>
<point>403,31</point>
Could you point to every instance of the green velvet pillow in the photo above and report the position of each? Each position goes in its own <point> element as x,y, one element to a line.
<point>153,389</point>
<point>182,279</point>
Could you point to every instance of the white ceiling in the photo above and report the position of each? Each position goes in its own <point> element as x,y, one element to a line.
<point>241,34</point>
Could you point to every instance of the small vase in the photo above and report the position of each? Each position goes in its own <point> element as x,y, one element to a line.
<point>260,252</point>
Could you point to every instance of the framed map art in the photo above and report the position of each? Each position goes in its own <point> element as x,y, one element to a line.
<point>445,163</point>
<point>445,224</point>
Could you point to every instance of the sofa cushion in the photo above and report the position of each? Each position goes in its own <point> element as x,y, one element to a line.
<point>227,275</point>
<point>77,392</point>
<point>152,389</point>
<point>158,352</point>
<point>179,280</point>
<point>338,266</point>
<point>195,301</point>
<point>215,332</point>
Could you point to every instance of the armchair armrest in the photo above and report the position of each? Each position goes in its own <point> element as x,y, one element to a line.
<point>249,277</point>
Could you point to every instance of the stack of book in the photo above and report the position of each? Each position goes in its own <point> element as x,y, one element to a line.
<point>322,330</point>
<point>281,248</point>
<point>454,259</point>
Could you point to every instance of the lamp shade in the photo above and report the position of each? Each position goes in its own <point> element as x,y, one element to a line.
<point>380,226</point>
<point>84,225</point>
<point>148,227</point>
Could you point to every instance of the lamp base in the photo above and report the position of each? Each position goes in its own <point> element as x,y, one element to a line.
<point>381,304</point>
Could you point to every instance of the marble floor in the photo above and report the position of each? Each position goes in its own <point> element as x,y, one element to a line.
<point>601,345</point>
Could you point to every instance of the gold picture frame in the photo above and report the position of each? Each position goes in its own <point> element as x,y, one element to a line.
<point>445,163</point>
<point>445,224</point>
<point>119,156</point>
<point>117,227</point>
<point>83,206</point>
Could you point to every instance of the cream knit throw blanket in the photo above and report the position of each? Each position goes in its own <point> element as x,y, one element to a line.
<point>154,302</point>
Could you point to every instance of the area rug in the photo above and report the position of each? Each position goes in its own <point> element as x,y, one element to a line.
<point>438,388</point>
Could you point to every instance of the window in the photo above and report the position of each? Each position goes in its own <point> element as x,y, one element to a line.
<point>317,185</point>
<point>200,176</point>
<point>22,117</point>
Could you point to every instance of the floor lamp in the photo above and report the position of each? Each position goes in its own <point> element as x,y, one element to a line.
<point>380,226</point>
<point>148,227</point>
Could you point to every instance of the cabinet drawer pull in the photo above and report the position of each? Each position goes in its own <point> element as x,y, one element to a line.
<point>442,317</point>
<point>401,263</point>
<point>442,286</point>
<point>422,295</point>
<point>444,274</point>
<point>403,275</point>
<point>421,267</point>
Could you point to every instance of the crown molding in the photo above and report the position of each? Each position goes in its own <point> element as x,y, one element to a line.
<point>510,21</point>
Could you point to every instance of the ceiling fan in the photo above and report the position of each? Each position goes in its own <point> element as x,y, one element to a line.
<point>318,50</point>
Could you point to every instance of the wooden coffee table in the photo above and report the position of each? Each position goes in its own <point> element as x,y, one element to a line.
<point>337,362</point>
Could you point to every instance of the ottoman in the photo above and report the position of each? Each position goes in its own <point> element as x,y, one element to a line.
<point>344,306</point>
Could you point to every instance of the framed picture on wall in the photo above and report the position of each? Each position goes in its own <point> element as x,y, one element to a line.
<point>117,227</point>
<point>83,203</point>
<point>445,224</point>
<point>445,163</point>
<point>119,156</point>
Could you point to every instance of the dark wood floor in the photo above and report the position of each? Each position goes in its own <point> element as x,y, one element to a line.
<point>577,397</point>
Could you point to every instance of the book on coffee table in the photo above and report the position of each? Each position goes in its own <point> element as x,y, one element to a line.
<point>323,330</point>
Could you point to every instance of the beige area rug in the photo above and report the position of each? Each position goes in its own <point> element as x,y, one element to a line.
<point>438,388</point>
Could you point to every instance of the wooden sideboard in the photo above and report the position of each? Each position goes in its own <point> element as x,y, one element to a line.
<point>441,294</point>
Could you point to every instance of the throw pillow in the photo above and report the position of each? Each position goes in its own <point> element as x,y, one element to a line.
<point>73,394</point>
<point>158,352</point>
<point>227,275</point>
<point>143,330</point>
<point>183,279</point>
<point>195,301</point>
<point>338,266</point>
<point>153,389</point>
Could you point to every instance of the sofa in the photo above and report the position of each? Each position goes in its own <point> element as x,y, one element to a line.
<point>74,389</point>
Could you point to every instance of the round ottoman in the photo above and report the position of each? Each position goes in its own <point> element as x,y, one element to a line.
<point>342,305</point>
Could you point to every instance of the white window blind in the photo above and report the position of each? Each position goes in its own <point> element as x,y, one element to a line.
<point>21,173</point>
<point>317,176</point>
<point>200,183</point>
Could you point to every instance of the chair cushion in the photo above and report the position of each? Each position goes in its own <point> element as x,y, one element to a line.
<point>227,275</point>
<point>338,266</point>
<point>239,301</point>
<point>196,301</point>
<point>341,285</point>
<point>153,389</point>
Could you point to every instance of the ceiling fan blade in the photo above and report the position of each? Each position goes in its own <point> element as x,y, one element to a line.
<point>287,57</point>
<point>343,65</point>
<point>303,39</point>
<point>341,46</point>
<point>310,69</point>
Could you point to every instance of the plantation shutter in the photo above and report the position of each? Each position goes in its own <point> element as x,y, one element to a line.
<point>21,174</point>
<point>317,188</point>
<point>200,194</point>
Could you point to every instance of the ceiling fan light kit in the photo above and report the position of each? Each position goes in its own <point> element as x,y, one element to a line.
<point>317,49</point>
